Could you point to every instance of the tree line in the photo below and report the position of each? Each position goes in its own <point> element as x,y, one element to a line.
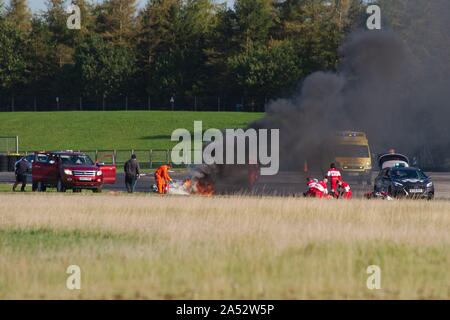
<point>181,48</point>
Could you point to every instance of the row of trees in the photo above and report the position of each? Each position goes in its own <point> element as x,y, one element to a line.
<point>171,47</point>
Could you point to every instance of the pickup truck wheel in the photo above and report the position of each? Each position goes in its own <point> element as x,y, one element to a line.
<point>60,186</point>
<point>34,186</point>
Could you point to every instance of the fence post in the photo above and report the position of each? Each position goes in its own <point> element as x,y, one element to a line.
<point>114,156</point>
<point>167,156</point>
<point>151,158</point>
<point>17,144</point>
<point>96,155</point>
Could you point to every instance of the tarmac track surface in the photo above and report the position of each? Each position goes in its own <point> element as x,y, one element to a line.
<point>282,184</point>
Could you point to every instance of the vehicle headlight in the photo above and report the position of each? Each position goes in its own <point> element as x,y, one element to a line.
<point>99,173</point>
<point>430,184</point>
<point>68,172</point>
<point>398,184</point>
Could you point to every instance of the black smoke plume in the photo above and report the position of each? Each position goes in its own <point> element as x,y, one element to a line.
<point>393,84</point>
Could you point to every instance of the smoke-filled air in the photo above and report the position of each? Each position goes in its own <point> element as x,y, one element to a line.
<point>393,84</point>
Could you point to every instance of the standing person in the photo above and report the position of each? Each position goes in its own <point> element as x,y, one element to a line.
<point>162,178</point>
<point>345,191</point>
<point>132,171</point>
<point>334,175</point>
<point>21,169</point>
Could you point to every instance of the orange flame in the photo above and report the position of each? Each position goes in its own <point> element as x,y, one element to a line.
<point>204,188</point>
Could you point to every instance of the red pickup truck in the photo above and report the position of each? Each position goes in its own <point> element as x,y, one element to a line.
<point>65,170</point>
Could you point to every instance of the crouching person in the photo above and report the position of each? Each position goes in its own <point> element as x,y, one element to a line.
<point>310,188</point>
<point>317,189</point>
<point>344,190</point>
<point>162,178</point>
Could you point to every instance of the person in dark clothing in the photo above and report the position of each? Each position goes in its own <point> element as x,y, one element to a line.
<point>132,172</point>
<point>21,174</point>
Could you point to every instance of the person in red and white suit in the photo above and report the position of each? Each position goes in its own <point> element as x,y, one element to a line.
<point>323,187</point>
<point>317,189</point>
<point>311,187</point>
<point>320,188</point>
<point>334,175</point>
<point>309,191</point>
<point>345,191</point>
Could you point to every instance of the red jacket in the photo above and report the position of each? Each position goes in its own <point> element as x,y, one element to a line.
<point>345,186</point>
<point>334,174</point>
<point>322,187</point>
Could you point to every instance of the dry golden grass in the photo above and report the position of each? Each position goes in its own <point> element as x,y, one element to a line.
<point>221,248</point>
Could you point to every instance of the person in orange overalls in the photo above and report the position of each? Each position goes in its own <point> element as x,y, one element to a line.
<point>162,178</point>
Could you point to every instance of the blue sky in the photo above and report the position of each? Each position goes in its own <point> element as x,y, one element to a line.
<point>36,5</point>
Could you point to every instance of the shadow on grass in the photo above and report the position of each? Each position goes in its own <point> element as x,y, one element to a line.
<point>156,137</point>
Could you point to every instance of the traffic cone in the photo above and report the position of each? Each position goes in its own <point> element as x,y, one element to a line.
<point>305,166</point>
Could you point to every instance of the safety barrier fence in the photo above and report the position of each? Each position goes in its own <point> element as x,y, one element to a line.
<point>124,102</point>
<point>148,159</point>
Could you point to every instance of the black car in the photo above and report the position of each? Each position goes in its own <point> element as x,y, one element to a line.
<point>404,181</point>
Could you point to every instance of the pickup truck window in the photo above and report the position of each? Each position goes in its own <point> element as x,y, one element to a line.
<point>43,158</point>
<point>76,160</point>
